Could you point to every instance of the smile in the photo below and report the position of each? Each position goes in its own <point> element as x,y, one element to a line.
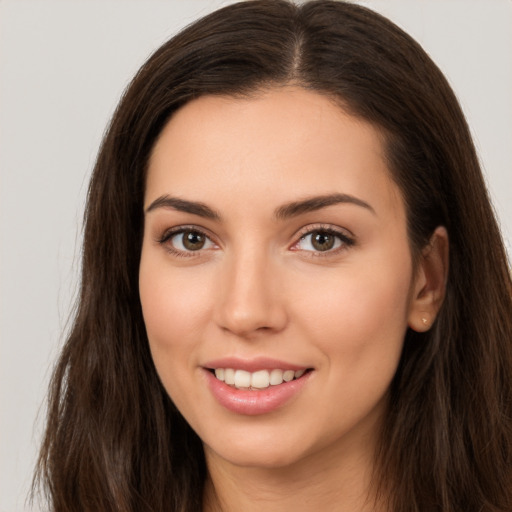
<point>261,379</point>
<point>256,390</point>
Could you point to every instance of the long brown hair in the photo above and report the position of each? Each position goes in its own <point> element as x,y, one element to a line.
<point>115,442</point>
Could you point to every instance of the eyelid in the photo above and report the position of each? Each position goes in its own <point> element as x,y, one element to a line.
<point>176,230</point>
<point>347,238</point>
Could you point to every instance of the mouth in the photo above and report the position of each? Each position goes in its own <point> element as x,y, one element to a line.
<point>258,380</point>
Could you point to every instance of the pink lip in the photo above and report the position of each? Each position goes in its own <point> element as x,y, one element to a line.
<point>252,365</point>
<point>254,402</point>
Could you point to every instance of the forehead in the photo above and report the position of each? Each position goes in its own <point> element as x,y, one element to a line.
<point>272,146</point>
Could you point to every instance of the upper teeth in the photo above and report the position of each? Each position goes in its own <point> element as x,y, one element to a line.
<point>259,380</point>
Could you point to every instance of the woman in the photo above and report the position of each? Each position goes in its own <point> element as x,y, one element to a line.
<point>294,291</point>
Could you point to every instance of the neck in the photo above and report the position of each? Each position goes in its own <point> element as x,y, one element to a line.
<point>330,483</point>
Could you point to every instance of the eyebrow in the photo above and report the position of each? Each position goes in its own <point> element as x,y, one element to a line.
<point>284,212</point>
<point>183,205</point>
<point>312,204</point>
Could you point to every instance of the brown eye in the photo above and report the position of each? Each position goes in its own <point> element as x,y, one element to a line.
<point>193,240</point>
<point>187,241</point>
<point>322,241</point>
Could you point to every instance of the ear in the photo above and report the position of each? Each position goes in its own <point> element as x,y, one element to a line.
<point>429,286</point>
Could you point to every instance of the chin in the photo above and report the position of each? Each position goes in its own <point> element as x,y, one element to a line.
<point>263,454</point>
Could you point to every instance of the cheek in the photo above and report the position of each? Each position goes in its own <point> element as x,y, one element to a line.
<point>173,300</point>
<point>174,306</point>
<point>173,310</point>
<point>378,305</point>
<point>361,314</point>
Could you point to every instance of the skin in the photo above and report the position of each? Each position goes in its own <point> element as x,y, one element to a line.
<point>258,288</point>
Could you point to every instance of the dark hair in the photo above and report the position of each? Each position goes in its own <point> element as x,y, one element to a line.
<point>114,440</point>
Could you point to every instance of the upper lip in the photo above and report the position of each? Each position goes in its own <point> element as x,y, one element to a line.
<point>252,365</point>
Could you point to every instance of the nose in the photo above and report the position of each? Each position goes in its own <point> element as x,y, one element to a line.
<point>252,298</point>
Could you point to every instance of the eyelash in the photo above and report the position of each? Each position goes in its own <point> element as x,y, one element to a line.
<point>179,230</point>
<point>345,240</point>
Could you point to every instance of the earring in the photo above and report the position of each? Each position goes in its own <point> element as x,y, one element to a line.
<point>425,321</point>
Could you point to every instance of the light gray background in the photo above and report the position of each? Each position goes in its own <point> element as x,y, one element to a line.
<point>63,66</point>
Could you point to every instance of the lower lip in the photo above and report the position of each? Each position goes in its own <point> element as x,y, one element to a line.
<point>254,402</point>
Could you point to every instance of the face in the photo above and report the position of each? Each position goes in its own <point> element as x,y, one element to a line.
<point>275,248</point>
